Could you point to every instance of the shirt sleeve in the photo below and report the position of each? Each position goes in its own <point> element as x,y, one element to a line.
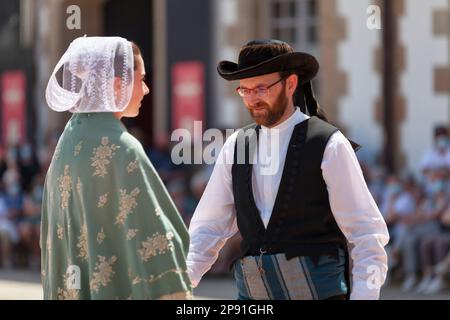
<point>214,220</point>
<point>358,217</point>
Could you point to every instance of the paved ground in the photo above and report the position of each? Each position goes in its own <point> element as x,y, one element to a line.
<point>25,285</point>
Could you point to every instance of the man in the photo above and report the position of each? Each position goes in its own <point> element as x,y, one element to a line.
<point>295,221</point>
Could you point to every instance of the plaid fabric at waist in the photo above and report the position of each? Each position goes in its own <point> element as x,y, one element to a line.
<point>274,277</point>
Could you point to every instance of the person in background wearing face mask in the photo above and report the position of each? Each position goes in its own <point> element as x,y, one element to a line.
<point>399,209</point>
<point>434,247</point>
<point>438,156</point>
<point>28,165</point>
<point>13,193</point>
<point>426,221</point>
<point>388,197</point>
<point>8,233</point>
<point>376,183</point>
<point>12,205</point>
<point>29,226</point>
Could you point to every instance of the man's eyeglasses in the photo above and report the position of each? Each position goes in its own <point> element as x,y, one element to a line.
<point>260,92</point>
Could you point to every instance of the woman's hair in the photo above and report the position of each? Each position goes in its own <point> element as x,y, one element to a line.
<point>304,97</point>
<point>136,52</point>
<point>118,60</point>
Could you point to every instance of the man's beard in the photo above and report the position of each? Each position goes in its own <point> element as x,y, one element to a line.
<point>273,114</point>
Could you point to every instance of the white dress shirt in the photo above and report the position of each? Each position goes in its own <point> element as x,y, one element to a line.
<point>353,207</point>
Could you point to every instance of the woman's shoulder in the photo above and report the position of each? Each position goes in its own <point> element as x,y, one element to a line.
<point>131,146</point>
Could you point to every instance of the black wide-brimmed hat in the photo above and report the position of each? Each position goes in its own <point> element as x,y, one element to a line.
<point>261,57</point>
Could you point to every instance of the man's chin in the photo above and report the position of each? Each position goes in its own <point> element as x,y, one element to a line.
<point>262,121</point>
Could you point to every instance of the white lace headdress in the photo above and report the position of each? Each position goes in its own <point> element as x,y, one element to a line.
<point>83,79</point>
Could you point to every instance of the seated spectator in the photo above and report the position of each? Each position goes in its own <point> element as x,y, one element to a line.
<point>28,165</point>
<point>441,270</point>
<point>439,155</point>
<point>8,234</point>
<point>184,202</point>
<point>161,159</point>
<point>434,251</point>
<point>376,184</point>
<point>423,223</point>
<point>400,211</point>
<point>29,225</point>
<point>390,195</point>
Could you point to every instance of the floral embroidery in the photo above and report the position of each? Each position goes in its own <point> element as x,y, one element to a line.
<point>131,233</point>
<point>127,204</point>
<point>102,155</point>
<point>132,166</point>
<point>77,150</point>
<point>65,186</point>
<point>83,243</point>
<point>101,236</point>
<point>157,244</point>
<point>181,295</point>
<point>102,273</point>
<point>152,278</point>
<point>79,186</point>
<point>134,279</point>
<point>67,294</point>
<point>158,211</point>
<point>60,232</point>
<point>102,200</point>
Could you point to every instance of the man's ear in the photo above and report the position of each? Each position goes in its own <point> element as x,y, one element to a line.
<point>292,83</point>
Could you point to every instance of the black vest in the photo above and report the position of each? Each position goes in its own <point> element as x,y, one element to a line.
<point>301,223</point>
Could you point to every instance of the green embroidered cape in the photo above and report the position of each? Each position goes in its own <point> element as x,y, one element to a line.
<point>109,228</point>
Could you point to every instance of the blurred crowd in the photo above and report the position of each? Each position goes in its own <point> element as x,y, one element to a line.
<point>22,176</point>
<point>416,208</point>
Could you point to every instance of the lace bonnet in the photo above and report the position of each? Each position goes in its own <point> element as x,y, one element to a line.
<point>83,79</point>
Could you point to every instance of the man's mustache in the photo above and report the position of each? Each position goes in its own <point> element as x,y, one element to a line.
<point>258,105</point>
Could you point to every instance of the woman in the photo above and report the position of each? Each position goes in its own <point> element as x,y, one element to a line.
<point>109,228</point>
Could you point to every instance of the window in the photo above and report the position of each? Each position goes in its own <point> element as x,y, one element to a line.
<point>296,22</point>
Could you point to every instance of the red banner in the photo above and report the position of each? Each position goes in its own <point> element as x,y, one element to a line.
<point>188,95</point>
<point>13,103</point>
